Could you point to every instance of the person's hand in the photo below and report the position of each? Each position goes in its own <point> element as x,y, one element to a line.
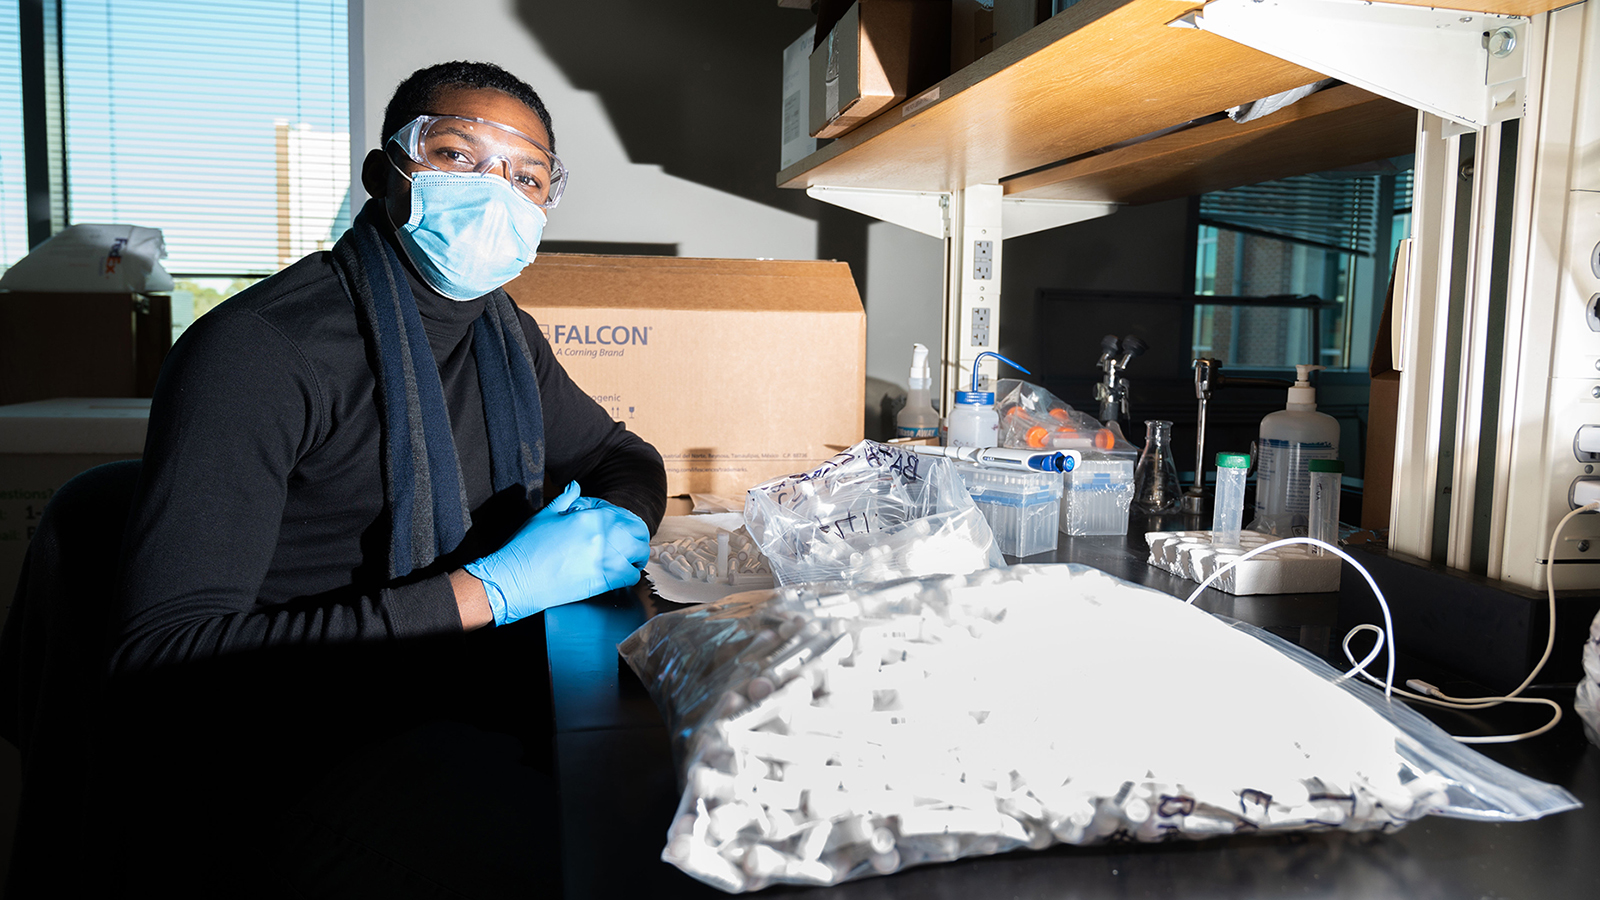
<point>574,548</point>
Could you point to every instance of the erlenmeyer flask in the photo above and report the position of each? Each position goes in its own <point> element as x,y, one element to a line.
<point>1155,481</point>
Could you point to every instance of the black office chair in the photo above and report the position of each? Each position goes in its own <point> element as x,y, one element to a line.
<point>81,831</point>
<point>53,661</point>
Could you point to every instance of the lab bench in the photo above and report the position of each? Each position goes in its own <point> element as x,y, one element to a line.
<point>619,792</point>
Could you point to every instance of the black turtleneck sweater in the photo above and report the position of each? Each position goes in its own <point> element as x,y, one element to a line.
<point>260,523</point>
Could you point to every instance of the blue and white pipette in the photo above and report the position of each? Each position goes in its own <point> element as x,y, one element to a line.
<point>1005,458</point>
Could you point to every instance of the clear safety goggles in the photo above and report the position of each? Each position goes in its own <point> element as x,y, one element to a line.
<point>465,145</point>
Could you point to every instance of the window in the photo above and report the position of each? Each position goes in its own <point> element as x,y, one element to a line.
<point>13,172</point>
<point>1312,252</point>
<point>224,124</point>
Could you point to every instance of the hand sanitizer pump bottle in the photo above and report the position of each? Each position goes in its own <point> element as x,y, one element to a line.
<point>919,419</point>
<point>1290,439</point>
<point>973,422</point>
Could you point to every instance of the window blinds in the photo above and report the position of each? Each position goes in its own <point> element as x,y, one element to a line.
<point>13,168</point>
<point>223,123</point>
<point>1337,213</point>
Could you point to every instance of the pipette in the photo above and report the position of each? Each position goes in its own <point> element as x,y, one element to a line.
<point>1005,458</point>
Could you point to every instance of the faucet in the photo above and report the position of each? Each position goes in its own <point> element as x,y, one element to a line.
<point>1207,373</point>
<point>1207,378</point>
<point>1112,393</point>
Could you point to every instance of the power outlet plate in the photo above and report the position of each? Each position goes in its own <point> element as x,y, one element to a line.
<point>980,326</point>
<point>983,260</point>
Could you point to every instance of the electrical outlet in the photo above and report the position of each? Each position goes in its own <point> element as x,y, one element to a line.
<point>1586,444</point>
<point>980,326</point>
<point>983,260</point>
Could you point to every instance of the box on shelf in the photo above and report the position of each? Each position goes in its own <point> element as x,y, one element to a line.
<point>737,370</point>
<point>878,53</point>
<point>971,31</point>
<point>1098,491</point>
<point>1014,18</point>
<point>1023,508</point>
<point>796,142</point>
<point>84,345</point>
<point>42,445</point>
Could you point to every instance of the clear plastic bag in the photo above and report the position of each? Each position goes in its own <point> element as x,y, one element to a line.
<point>1032,418</point>
<point>872,513</point>
<point>1587,701</point>
<point>823,733</point>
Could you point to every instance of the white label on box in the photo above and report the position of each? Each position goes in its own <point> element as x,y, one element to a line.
<point>797,141</point>
<point>791,118</point>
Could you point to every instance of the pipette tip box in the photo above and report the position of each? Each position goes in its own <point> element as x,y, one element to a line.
<point>1292,569</point>
<point>1098,492</point>
<point>1022,508</point>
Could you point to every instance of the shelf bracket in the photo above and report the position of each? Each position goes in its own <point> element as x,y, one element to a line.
<point>927,212</point>
<point>1022,216</point>
<point>920,211</point>
<point>1468,67</point>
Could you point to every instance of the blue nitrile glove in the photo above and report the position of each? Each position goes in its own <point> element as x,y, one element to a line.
<point>574,548</point>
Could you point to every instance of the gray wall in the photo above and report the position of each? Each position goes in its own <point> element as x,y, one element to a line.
<point>668,120</point>
<point>1139,248</point>
<point>668,116</point>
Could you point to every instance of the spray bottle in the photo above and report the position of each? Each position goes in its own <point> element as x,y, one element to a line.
<point>973,422</point>
<point>1290,439</point>
<point>919,419</point>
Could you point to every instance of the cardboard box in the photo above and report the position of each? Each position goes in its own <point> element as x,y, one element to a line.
<point>797,143</point>
<point>971,31</point>
<point>1014,18</point>
<point>42,445</point>
<point>879,53</point>
<point>1383,403</point>
<point>81,345</point>
<point>738,371</point>
<point>1377,478</point>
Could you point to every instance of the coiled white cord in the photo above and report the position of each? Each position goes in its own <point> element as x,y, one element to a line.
<point>1423,692</point>
<point>1388,623</point>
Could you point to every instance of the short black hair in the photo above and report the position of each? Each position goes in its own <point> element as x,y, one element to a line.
<point>415,96</point>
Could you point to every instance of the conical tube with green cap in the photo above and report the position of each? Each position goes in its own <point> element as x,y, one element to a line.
<point>1228,511</point>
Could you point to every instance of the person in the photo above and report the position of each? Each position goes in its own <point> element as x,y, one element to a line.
<point>353,469</point>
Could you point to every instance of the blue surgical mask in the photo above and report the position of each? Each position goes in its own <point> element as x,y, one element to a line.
<point>469,233</point>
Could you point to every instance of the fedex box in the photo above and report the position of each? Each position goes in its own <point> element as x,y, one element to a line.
<point>736,370</point>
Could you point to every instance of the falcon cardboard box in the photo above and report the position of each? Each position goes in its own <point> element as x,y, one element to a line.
<point>737,370</point>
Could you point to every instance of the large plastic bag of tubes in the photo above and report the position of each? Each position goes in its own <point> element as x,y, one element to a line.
<point>824,733</point>
<point>872,513</point>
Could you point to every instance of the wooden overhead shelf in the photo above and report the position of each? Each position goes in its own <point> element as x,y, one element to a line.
<point>1340,126</point>
<point>1102,73</point>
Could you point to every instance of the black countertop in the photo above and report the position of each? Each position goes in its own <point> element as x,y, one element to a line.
<point>619,792</point>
